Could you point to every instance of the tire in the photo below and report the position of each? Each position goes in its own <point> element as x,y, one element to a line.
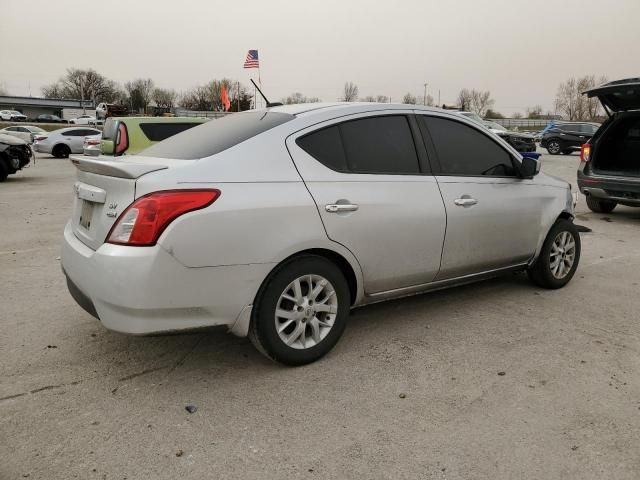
<point>554,147</point>
<point>599,205</point>
<point>61,151</point>
<point>306,334</point>
<point>4,170</point>
<point>558,241</point>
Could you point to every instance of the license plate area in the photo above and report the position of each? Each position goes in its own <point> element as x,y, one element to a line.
<point>86,214</point>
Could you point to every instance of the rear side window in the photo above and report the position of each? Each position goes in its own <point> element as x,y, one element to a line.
<point>74,133</point>
<point>217,135</point>
<point>379,145</point>
<point>326,146</point>
<point>157,132</point>
<point>464,151</point>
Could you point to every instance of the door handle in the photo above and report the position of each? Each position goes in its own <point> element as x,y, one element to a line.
<point>340,207</point>
<point>465,202</point>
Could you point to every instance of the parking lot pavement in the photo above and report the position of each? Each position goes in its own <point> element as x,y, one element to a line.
<point>497,380</point>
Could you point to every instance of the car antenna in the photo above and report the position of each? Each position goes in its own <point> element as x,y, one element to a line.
<point>269,104</point>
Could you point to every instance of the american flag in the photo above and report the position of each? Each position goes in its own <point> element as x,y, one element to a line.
<point>252,60</point>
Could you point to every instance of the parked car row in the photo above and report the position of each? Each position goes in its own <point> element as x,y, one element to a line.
<point>15,116</point>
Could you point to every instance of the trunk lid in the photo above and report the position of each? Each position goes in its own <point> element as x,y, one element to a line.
<point>619,95</point>
<point>104,188</point>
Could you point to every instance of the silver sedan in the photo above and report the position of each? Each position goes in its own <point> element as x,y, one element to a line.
<point>277,222</point>
<point>64,141</point>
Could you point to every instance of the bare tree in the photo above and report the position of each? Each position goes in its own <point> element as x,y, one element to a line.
<point>572,104</point>
<point>84,84</point>
<point>3,89</point>
<point>410,99</point>
<point>140,91</point>
<point>475,101</point>
<point>517,115</point>
<point>464,99</point>
<point>165,98</point>
<point>368,98</point>
<point>481,101</point>
<point>350,92</point>
<point>382,99</point>
<point>197,98</point>
<point>298,97</point>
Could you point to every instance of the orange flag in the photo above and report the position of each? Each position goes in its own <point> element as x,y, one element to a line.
<point>224,96</point>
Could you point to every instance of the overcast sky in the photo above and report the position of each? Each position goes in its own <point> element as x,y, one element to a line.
<point>520,50</point>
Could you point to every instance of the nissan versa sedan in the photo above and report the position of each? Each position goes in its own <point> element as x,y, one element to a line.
<point>277,222</point>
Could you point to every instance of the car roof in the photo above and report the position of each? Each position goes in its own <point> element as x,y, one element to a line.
<point>345,108</point>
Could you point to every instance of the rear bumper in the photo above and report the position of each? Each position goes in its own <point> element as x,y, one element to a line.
<point>621,190</point>
<point>144,290</point>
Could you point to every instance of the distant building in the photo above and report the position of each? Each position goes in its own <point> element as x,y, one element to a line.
<point>34,106</point>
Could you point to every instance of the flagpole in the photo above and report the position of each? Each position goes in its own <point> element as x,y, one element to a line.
<point>238,96</point>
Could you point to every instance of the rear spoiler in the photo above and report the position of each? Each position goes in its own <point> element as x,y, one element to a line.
<point>104,165</point>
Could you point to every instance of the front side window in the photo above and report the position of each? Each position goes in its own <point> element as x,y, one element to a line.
<point>378,145</point>
<point>464,151</point>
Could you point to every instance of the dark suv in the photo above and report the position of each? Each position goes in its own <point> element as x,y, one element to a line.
<point>609,171</point>
<point>567,137</point>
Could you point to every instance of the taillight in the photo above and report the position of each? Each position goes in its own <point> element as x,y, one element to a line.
<point>585,152</point>
<point>38,138</point>
<point>122,139</point>
<point>92,142</point>
<point>142,223</point>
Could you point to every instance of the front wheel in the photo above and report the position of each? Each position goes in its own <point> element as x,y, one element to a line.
<point>559,256</point>
<point>598,205</point>
<point>301,311</point>
<point>554,147</point>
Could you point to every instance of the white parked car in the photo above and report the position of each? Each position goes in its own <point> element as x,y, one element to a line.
<point>83,120</point>
<point>12,115</point>
<point>24,132</point>
<point>277,222</point>
<point>495,127</point>
<point>63,142</point>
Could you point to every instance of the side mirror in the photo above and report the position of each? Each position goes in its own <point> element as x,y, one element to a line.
<point>529,168</point>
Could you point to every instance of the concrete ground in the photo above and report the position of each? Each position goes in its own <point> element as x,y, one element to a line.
<point>414,389</point>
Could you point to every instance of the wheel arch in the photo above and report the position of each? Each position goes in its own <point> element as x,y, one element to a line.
<point>347,265</point>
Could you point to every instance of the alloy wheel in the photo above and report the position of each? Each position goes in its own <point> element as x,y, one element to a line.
<point>306,311</point>
<point>563,254</point>
<point>554,147</point>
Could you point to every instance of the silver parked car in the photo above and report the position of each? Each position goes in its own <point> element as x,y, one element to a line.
<point>24,132</point>
<point>63,142</point>
<point>277,222</point>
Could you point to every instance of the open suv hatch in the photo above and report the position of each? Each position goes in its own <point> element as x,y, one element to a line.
<point>609,171</point>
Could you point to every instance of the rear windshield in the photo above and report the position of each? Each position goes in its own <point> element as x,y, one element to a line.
<point>157,132</point>
<point>216,135</point>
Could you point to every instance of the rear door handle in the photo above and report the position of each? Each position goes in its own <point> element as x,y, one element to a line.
<point>340,207</point>
<point>465,202</point>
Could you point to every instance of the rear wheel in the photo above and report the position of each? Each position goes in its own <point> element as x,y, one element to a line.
<point>61,151</point>
<point>301,311</point>
<point>599,205</point>
<point>554,147</point>
<point>559,256</point>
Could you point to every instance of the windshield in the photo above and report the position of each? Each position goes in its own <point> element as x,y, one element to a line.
<point>216,135</point>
